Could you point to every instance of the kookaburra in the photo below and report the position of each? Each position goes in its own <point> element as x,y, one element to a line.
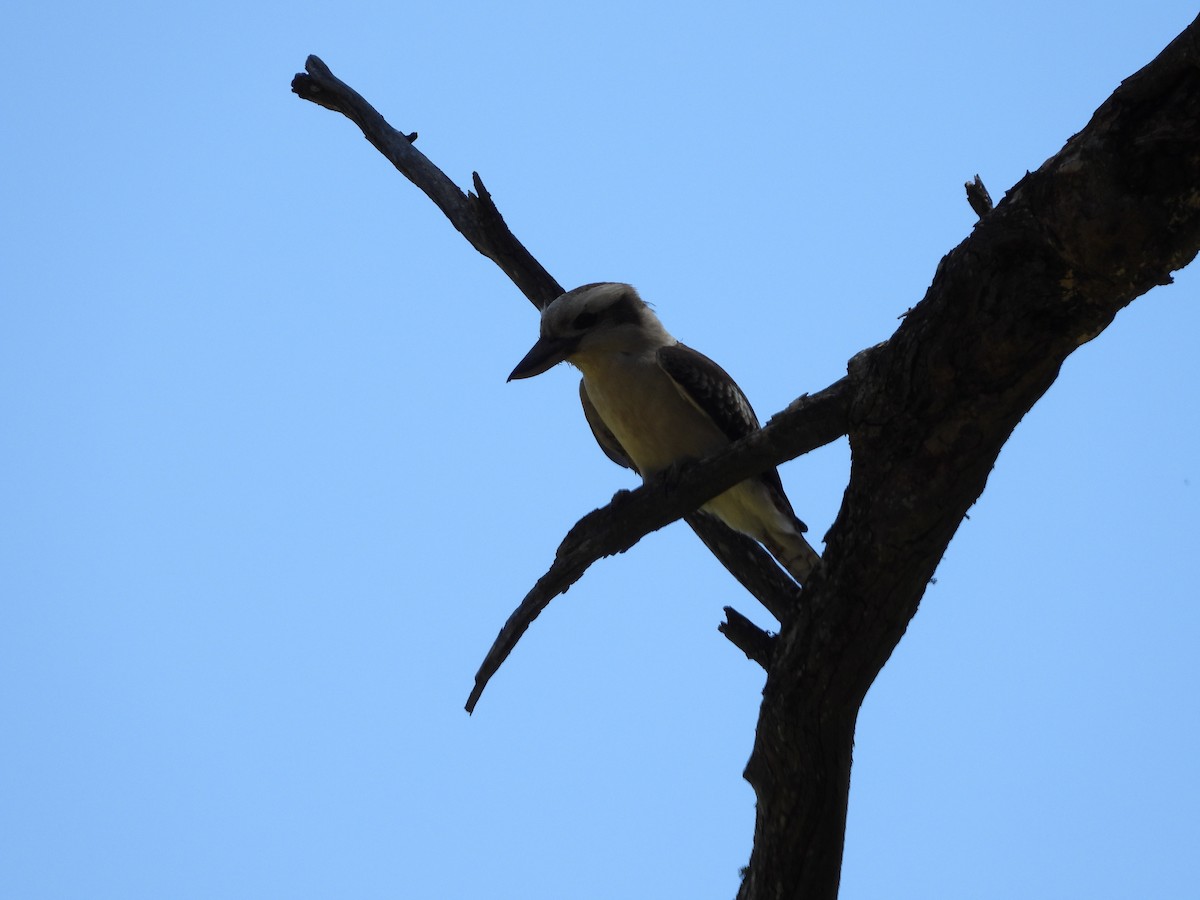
<point>652,402</point>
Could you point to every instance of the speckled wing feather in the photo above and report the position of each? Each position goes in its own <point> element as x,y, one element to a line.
<point>710,389</point>
<point>606,439</point>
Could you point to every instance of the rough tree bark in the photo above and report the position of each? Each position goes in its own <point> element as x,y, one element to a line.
<point>1096,226</point>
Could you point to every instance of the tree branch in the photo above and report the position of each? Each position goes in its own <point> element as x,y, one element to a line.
<point>1100,223</point>
<point>474,215</point>
<point>1046,270</point>
<point>748,637</point>
<point>760,574</point>
<point>978,197</point>
<point>808,423</point>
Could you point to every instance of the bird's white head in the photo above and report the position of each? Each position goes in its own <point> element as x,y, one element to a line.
<point>596,319</point>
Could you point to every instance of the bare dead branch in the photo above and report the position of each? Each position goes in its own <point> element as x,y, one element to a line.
<point>808,423</point>
<point>1113,214</point>
<point>760,575</point>
<point>978,197</point>
<point>747,637</point>
<point>474,215</point>
<point>1097,225</point>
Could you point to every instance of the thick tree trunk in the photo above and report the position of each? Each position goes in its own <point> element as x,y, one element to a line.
<point>1099,224</point>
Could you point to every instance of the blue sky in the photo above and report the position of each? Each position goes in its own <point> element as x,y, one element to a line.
<point>265,497</point>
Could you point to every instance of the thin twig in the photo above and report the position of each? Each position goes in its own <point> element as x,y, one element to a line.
<point>473,214</point>
<point>978,197</point>
<point>757,644</point>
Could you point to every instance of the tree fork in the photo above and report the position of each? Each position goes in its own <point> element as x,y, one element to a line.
<point>1100,223</point>
<point>927,412</point>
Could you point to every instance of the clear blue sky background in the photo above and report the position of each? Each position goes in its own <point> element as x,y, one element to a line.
<point>265,497</point>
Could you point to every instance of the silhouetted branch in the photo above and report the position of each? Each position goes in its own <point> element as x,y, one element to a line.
<point>748,637</point>
<point>808,423</point>
<point>473,214</point>
<point>1111,215</point>
<point>750,564</point>
<point>978,197</point>
<point>476,217</point>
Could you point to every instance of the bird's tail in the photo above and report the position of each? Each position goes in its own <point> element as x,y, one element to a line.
<point>793,552</point>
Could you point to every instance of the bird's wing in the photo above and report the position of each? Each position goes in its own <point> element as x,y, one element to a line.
<point>606,439</point>
<point>709,388</point>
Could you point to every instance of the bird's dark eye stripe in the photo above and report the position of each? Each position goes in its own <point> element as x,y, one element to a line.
<point>585,319</point>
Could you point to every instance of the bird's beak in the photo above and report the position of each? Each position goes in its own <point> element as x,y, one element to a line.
<point>545,354</point>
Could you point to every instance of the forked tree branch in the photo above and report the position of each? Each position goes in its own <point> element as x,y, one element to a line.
<point>809,423</point>
<point>600,534</point>
<point>927,413</point>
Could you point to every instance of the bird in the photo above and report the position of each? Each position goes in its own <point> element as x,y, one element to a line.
<point>652,403</point>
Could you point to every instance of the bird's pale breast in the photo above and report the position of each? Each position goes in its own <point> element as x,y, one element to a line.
<point>654,422</point>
